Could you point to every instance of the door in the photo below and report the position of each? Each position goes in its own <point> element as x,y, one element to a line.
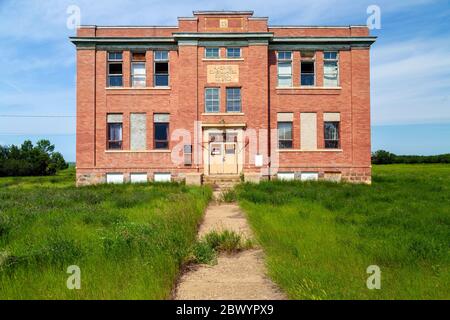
<point>230,158</point>
<point>216,158</point>
<point>223,158</point>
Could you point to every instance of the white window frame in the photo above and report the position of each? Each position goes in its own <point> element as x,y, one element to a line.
<point>212,57</point>
<point>337,66</point>
<point>234,48</point>
<point>283,60</point>
<point>218,100</point>
<point>111,61</point>
<point>234,99</point>
<point>159,60</point>
<point>308,59</point>
<point>143,77</point>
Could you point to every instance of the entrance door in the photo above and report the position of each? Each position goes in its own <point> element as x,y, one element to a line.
<point>223,153</point>
<point>216,158</point>
<point>230,158</point>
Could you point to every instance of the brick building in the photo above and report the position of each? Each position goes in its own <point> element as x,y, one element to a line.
<point>222,93</point>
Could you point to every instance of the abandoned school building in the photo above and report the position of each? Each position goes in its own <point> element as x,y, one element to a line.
<point>222,94</point>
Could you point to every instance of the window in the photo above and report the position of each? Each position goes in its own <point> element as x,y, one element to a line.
<point>114,128</point>
<point>233,53</point>
<point>331,134</point>
<point>330,69</point>
<point>138,73</point>
<point>307,69</point>
<point>233,99</point>
<point>212,53</point>
<point>114,178</point>
<point>161,69</point>
<point>212,100</point>
<point>115,69</point>
<point>285,69</point>
<point>285,135</point>
<point>138,131</point>
<point>161,130</point>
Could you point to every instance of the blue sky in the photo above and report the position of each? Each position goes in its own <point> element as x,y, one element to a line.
<point>410,72</point>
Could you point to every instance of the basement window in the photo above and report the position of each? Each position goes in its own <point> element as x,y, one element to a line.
<point>161,67</point>
<point>115,74</point>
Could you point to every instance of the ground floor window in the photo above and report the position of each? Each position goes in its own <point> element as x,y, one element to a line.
<point>114,128</point>
<point>161,131</point>
<point>285,135</point>
<point>331,134</point>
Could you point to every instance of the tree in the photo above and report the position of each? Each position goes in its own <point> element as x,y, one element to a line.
<point>29,160</point>
<point>382,157</point>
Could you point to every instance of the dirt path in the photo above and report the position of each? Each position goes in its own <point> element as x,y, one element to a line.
<point>235,277</point>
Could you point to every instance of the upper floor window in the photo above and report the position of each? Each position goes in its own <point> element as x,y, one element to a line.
<point>115,75</point>
<point>114,131</point>
<point>307,69</point>
<point>233,53</point>
<point>330,69</point>
<point>233,99</point>
<point>161,67</point>
<point>212,100</point>
<point>138,73</point>
<point>212,53</point>
<point>285,69</point>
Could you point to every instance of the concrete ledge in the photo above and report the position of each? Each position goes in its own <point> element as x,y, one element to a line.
<point>253,177</point>
<point>194,179</point>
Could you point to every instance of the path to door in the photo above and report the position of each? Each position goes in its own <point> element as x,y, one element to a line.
<point>235,277</point>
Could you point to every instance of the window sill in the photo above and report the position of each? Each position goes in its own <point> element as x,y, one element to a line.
<point>139,91</point>
<point>316,150</point>
<point>223,114</point>
<point>308,90</point>
<point>139,151</point>
<point>223,59</point>
<point>139,88</point>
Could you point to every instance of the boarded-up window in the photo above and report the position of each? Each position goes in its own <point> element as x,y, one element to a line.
<point>138,131</point>
<point>308,131</point>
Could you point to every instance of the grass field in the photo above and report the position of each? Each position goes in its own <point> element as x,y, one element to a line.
<point>319,238</point>
<point>128,240</point>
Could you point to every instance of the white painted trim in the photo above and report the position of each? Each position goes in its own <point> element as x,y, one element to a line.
<point>139,151</point>
<point>308,88</point>
<point>317,150</point>
<point>223,59</point>
<point>223,114</point>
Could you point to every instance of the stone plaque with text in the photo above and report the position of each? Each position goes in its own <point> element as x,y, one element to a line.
<point>222,73</point>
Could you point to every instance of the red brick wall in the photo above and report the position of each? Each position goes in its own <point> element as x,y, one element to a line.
<point>184,100</point>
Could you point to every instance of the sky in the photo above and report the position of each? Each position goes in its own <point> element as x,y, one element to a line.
<point>410,62</point>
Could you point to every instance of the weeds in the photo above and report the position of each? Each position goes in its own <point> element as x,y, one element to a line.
<point>206,249</point>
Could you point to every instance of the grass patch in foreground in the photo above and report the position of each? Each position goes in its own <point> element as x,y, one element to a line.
<point>128,240</point>
<point>321,237</point>
<point>206,249</point>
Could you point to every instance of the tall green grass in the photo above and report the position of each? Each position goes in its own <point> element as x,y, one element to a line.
<point>128,240</point>
<point>321,237</point>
